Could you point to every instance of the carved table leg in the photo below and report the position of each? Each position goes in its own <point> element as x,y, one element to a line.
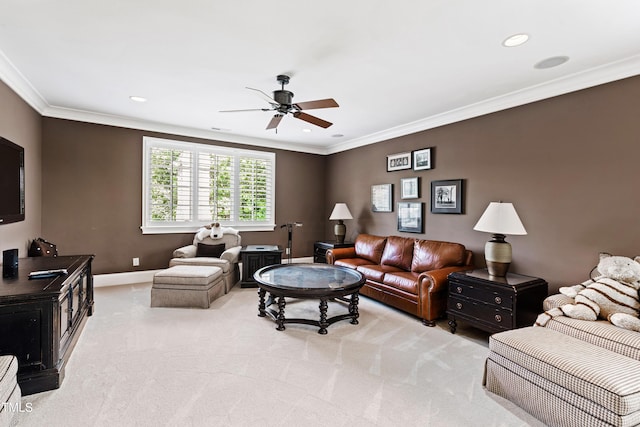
<point>453,325</point>
<point>323,316</point>
<point>280,319</point>
<point>261,305</point>
<point>353,308</point>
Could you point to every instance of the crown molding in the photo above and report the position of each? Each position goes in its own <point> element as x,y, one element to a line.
<point>595,76</point>
<point>126,122</point>
<point>618,70</point>
<point>20,85</point>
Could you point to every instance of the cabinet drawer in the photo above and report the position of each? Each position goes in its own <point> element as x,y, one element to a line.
<point>494,296</point>
<point>465,307</point>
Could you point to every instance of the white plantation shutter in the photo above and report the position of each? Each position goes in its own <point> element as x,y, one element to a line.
<point>187,185</point>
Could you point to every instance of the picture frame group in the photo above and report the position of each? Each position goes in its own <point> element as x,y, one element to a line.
<point>418,160</point>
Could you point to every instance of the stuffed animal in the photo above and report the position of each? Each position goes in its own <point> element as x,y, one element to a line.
<point>612,295</point>
<point>215,231</point>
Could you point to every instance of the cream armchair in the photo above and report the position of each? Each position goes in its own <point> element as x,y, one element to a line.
<point>227,261</point>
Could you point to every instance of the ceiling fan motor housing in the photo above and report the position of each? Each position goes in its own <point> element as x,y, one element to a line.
<point>283,97</point>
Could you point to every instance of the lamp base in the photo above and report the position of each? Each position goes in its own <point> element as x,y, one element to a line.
<point>497,254</point>
<point>498,269</point>
<point>340,230</point>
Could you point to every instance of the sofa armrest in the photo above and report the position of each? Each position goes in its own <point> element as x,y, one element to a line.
<point>335,254</point>
<point>232,254</point>
<point>437,280</point>
<point>556,300</point>
<point>188,251</point>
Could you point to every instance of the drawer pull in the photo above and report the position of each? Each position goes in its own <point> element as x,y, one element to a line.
<point>498,318</point>
<point>498,300</point>
<point>459,289</point>
<point>459,305</point>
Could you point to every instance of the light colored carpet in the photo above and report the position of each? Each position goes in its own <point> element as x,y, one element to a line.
<point>225,366</point>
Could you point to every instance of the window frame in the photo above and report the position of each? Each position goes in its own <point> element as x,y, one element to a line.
<point>191,226</point>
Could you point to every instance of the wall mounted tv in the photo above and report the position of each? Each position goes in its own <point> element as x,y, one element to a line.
<point>11,182</point>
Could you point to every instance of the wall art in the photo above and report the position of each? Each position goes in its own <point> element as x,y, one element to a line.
<point>422,159</point>
<point>447,196</point>
<point>410,188</point>
<point>397,162</point>
<point>382,198</point>
<point>410,217</point>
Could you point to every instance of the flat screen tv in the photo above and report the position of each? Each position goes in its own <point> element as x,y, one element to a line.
<point>11,182</point>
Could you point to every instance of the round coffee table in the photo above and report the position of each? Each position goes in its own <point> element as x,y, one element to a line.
<point>318,281</point>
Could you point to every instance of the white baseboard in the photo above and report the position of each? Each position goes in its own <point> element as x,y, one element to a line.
<point>115,279</point>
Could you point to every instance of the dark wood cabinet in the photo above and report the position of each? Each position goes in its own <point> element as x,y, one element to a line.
<point>320,249</point>
<point>41,319</point>
<point>253,258</point>
<point>492,303</point>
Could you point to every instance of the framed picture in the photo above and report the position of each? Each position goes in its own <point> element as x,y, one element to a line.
<point>446,196</point>
<point>381,198</point>
<point>398,162</point>
<point>410,188</point>
<point>410,217</point>
<point>422,159</point>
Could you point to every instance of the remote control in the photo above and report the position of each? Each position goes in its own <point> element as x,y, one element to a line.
<point>47,273</point>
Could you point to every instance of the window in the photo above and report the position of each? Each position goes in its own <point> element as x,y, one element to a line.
<point>187,185</point>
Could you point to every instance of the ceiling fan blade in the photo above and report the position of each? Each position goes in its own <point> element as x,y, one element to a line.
<point>241,111</point>
<point>275,121</point>
<point>312,119</point>
<point>320,103</point>
<point>264,96</point>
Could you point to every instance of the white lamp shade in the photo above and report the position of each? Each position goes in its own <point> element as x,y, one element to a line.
<point>341,211</point>
<point>500,218</point>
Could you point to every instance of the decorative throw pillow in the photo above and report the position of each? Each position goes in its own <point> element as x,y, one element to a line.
<point>213,251</point>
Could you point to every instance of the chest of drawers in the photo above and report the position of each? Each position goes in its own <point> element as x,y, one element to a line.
<point>492,303</point>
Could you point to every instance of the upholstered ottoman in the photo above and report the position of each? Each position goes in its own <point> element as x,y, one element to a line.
<point>10,393</point>
<point>187,286</point>
<point>562,380</point>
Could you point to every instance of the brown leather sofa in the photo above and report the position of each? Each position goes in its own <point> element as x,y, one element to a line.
<point>409,274</point>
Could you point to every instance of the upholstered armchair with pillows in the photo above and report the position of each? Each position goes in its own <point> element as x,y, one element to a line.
<point>223,252</point>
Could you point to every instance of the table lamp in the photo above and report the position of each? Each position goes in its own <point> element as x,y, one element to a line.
<point>500,219</point>
<point>340,212</point>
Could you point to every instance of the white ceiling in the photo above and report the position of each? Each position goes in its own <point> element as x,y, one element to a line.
<point>395,67</point>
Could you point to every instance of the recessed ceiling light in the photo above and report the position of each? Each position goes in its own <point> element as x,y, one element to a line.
<point>515,40</point>
<point>306,130</point>
<point>337,135</point>
<point>220,129</point>
<point>138,99</point>
<point>554,61</point>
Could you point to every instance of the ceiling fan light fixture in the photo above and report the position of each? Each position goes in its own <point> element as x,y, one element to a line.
<point>306,130</point>
<point>515,40</point>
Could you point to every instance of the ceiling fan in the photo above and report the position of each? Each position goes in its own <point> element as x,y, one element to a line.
<point>282,104</point>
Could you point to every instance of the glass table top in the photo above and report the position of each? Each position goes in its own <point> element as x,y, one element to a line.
<point>308,276</point>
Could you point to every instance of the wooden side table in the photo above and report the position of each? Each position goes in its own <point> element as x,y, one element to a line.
<point>253,258</point>
<point>320,249</point>
<point>492,303</point>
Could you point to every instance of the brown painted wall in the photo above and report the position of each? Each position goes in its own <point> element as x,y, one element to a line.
<point>569,164</point>
<point>21,124</point>
<point>92,197</point>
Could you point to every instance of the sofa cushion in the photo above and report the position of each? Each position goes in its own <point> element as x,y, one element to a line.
<point>370,247</point>
<point>376,272</point>
<point>433,255</point>
<point>352,262</point>
<point>600,333</point>
<point>398,252</point>
<point>403,280</point>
